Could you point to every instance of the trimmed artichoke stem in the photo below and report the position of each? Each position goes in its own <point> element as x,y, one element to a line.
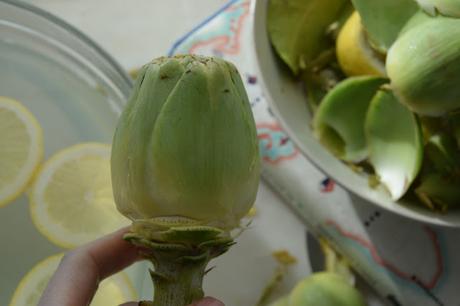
<point>179,266</point>
<point>176,281</point>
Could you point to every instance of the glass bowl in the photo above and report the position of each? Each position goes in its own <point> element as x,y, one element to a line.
<point>75,90</point>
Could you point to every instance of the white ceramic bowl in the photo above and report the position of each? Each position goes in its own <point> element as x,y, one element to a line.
<point>288,101</point>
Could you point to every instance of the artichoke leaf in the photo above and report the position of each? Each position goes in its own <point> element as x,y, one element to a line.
<point>439,192</point>
<point>418,18</point>
<point>443,154</point>
<point>339,120</point>
<point>395,143</point>
<point>449,8</point>
<point>319,83</point>
<point>383,19</point>
<point>297,28</point>
<point>454,120</point>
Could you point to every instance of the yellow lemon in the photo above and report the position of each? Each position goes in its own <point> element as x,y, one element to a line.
<point>71,199</point>
<point>114,290</point>
<point>355,55</point>
<point>21,148</point>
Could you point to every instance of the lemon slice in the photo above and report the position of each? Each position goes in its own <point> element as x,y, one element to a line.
<point>71,199</point>
<point>21,148</point>
<point>354,53</point>
<point>114,290</point>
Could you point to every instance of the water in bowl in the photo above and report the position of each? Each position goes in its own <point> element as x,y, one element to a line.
<point>71,108</point>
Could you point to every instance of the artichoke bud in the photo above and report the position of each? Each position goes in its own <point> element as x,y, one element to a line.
<point>186,147</point>
<point>424,66</point>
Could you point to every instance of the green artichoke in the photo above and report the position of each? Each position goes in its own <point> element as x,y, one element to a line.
<point>424,66</point>
<point>325,288</point>
<point>185,168</point>
<point>186,144</point>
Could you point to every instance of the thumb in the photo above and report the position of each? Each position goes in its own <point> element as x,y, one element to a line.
<point>208,301</point>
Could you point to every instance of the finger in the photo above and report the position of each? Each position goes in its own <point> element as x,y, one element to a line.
<point>208,301</point>
<point>81,270</point>
<point>110,254</point>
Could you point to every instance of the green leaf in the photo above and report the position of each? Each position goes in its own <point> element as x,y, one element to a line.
<point>439,192</point>
<point>418,18</point>
<point>443,153</point>
<point>339,121</point>
<point>449,8</point>
<point>454,120</point>
<point>297,28</point>
<point>394,141</point>
<point>319,83</point>
<point>383,19</point>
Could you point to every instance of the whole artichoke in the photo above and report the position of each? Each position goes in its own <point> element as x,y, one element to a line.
<point>185,168</point>
<point>186,144</point>
<point>424,66</point>
<point>325,288</point>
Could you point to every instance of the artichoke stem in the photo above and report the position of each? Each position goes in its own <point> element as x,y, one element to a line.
<point>179,255</point>
<point>177,282</point>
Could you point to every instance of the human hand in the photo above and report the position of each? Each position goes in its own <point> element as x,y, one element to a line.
<point>81,270</point>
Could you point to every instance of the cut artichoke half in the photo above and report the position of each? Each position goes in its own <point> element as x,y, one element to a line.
<point>383,19</point>
<point>339,121</point>
<point>395,143</point>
